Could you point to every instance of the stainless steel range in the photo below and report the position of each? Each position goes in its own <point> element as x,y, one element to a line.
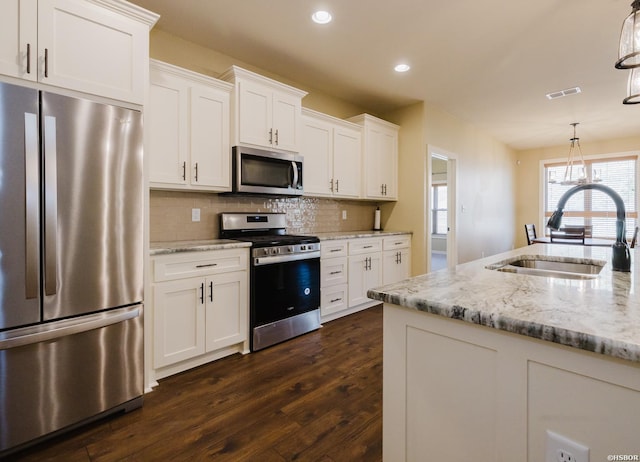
<point>285,276</point>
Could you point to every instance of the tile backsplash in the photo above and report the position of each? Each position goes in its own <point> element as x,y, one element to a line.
<point>170,214</point>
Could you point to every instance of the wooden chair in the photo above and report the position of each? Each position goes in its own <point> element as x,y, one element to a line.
<point>635,238</point>
<point>530,229</point>
<point>587,229</point>
<point>568,235</point>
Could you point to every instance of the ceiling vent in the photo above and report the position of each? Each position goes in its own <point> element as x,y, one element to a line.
<point>561,93</point>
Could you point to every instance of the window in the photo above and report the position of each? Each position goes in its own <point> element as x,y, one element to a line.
<point>439,209</point>
<point>594,208</point>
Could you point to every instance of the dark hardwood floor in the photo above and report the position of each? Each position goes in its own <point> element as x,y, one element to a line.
<point>314,398</point>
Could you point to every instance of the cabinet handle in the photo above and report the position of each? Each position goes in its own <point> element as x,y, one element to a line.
<point>337,185</point>
<point>206,265</point>
<point>202,293</point>
<point>335,250</point>
<point>367,246</point>
<point>382,190</point>
<point>196,172</point>
<point>46,62</point>
<point>335,272</point>
<point>211,291</point>
<point>276,136</point>
<point>400,257</point>
<point>335,300</point>
<point>271,136</point>
<point>28,58</point>
<point>184,171</point>
<point>331,185</point>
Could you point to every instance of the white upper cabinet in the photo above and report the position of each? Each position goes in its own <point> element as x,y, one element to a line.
<point>265,113</point>
<point>101,48</point>
<point>188,130</point>
<point>332,156</point>
<point>380,157</point>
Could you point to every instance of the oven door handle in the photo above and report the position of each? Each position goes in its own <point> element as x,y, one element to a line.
<point>271,260</point>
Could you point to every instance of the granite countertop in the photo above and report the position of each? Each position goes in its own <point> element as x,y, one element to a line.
<point>165,248</point>
<point>601,315</point>
<point>357,234</point>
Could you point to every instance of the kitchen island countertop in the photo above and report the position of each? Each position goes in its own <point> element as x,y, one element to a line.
<point>164,248</point>
<point>600,315</point>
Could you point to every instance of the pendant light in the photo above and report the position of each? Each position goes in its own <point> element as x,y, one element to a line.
<point>580,166</point>
<point>629,52</point>
<point>633,87</point>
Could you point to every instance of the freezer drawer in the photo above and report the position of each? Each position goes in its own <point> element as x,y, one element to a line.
<point>60,381</point>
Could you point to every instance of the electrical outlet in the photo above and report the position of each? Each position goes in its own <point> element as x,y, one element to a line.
<point>344,214</point>
<point>195,214</point>
<point>562,449</point>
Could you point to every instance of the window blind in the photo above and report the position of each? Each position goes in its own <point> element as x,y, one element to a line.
<point>595,208</point>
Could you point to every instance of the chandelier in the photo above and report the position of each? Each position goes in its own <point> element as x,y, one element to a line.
<point>582,176</point>
<point>629,53</point>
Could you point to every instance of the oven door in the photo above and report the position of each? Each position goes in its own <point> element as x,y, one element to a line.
<point>284,289</point>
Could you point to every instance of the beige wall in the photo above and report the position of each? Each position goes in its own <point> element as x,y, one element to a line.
<point>527,177</point>
<point>485,184</point>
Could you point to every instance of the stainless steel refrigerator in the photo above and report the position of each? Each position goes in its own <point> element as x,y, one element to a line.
<point>71,263</point>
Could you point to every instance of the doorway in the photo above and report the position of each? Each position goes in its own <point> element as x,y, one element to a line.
<point>441,213</point>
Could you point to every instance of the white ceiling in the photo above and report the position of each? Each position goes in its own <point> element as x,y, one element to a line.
<point>489,63</point>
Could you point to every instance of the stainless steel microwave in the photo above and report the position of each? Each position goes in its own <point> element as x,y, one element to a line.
<point>264,172</point>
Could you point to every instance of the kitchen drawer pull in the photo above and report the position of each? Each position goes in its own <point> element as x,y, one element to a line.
<point>335,272</point>
<point>206,265</point>
<point>335,250</point>
<point>367,247</point>
<point>336,300</point>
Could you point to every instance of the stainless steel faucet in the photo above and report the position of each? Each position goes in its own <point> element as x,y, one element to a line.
<point>621,257</point>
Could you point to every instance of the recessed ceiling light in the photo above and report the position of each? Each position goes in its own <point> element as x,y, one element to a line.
<point>321,17</point>
<point>402,68</point>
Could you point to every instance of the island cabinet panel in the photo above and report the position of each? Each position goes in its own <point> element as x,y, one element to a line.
<point>458,391</point>
<point>78,45</point>
<point>200,308</point>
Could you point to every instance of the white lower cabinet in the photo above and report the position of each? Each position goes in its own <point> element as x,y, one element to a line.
<point>200,307</point>
<point>396,256</point>
<point>350,267</point>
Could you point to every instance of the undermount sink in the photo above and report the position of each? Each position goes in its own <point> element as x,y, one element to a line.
<point>551,267</point>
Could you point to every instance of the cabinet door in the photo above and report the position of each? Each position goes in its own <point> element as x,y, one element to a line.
<point>255,114</point>
<point>227,306</point>
<point>166,122</point>
<point>286,122</point>
<point>210,154</point>
<point>318,157</point>
<point>179,320</point>
<point>347,151</point>
<point>365,272</point>
<point>395,266</point>
<point>19,30</point>
<point>90,49</point>
<point>381,163</point>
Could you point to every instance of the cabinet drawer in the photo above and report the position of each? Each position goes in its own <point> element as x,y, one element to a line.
<point>360,246</point>
<point>191,264</point>
<point>333,271</point>
<point>330,249</point>
<point>396,242</point>
<point>334,299</point>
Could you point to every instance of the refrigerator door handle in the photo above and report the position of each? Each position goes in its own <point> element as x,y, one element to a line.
<point>50,206</point>
<point>52,331</point>
<point>31,205</point>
